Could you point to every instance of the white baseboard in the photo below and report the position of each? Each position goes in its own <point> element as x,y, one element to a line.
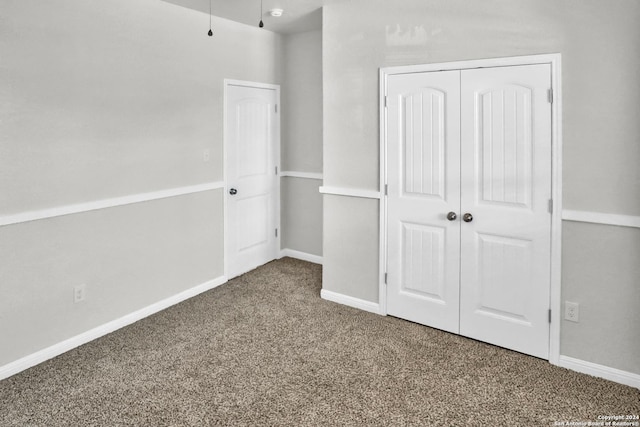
<point>600,371</point>
<point>316,259</point>
<point>102,330</point>
<point>358,303</point>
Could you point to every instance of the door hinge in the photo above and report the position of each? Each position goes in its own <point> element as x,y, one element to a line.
<point>276,232</point>
<point>550,206</point>
<point>385,101</point>
<point>549,315</point>
<point>276,170</point>
<point>550,96</point>
<point>385,278</point>
<point>386,189</point>
<point>276,108</point>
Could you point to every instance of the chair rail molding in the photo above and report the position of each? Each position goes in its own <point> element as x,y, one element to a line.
<point>601,218</point>
<point>106,203</point>
<point>306,175</point>
<point>350,192</point>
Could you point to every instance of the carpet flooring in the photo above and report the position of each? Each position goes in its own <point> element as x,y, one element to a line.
<point>264,349</point>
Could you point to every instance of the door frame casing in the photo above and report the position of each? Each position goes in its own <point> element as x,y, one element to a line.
<point>276,147</point>
<point>554,60</point>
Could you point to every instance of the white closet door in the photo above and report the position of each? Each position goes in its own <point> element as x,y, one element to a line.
<point>423,157</point>
<point>506,187</point>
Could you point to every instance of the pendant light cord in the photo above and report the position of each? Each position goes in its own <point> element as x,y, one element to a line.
<point>210,33</point>
<point>261,24</point>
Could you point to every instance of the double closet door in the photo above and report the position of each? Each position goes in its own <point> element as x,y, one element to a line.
<point>468,203</point>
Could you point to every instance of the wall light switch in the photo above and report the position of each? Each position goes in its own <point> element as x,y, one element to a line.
<point>206,155</point>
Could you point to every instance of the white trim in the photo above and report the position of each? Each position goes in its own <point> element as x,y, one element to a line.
<point>475,63</point>
<point>350,192</point>
<point>555,296</point>
<point>102,330</point>
<point>382,217</point>
<point>258,85</point>
<point>304,256</point>
<point>602,218</point>
<point>225,220</point>
<point>556,172</point>
<point>277,147</point>
<point>106,203</point>
<point>358,303</point>
<point>307,175</point>
<point>600,371</point>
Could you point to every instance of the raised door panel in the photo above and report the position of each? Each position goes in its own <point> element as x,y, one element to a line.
<point>423,139</point>
<point>253,222</point>
<point>423,262</point>
<point>505,137</point>
<point>252,129</point>
<point>504,277</point>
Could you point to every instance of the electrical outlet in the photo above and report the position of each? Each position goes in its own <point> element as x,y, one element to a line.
<point>572,311</point>
<point>79,293</point>
<point>206,155</point>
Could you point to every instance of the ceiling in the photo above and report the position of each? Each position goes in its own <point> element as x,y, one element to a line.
<point>298,16</point>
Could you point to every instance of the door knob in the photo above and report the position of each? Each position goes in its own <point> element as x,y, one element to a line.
<point>233,191</point>
<point>467,217</point>
<point>451,216</point>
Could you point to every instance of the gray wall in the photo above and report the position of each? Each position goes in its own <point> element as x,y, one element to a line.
<point>601,271</point>
<point>109,99</point>
<point>599,42</point>
<point>301,215</point>
<point>302,142</point>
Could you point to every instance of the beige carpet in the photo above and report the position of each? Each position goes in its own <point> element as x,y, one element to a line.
<point>264,349</point>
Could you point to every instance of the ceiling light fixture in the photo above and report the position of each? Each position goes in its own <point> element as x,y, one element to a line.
<point>276,12</point>
<point>261,24</point>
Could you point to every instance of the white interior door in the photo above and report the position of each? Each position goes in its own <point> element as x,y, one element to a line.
<point>506,187</point>
<point>252,157</point>
<point>423,155</point>
<point>475,143</point>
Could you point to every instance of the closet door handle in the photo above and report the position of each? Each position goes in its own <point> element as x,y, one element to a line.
<point>467,217</point>
<point>233,191</point>
<point>451,216</point>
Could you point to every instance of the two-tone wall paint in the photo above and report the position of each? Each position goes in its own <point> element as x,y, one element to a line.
<point>301,215</point>
<point>109,102</point>
<point>112,113</point>
<point>597,41</point>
